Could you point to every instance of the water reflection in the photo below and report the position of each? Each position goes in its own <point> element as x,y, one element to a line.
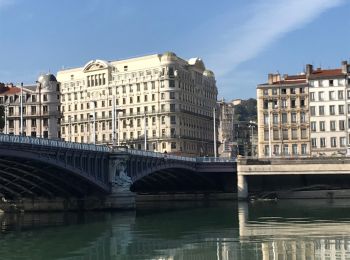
<point>279,230</point>
<point>297,229</point>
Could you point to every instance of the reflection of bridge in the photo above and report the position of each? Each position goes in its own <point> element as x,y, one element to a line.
<point>34,167</point>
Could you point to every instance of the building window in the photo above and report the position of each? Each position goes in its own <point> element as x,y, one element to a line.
<point>172,95</point>
<point>333,142</point>
<point>302,117</point>
<point>266,150</point>
<point>294,117</point>
<point>312,96</point>
<point>266,119</point>
<point>321,110</point>
<point>321,96</point>
<point>342,141</point>
<point>275,134</point>
<point>332,125</point>
<point>331,82</point>
<point>332,110</point>
<point>322,126</point>
<point>303,149</point>
<point>275,119</point>
<point>313,126</point>
<point>331,95</point>
<point>284,103</point>
<point>172,119</point>
<point>284,118</point>
<point>313,143</point>
<point>276,149</point>
<point>303,133</point>
<point>292,103</point>
<point>340,94</point>
<point>294,149</point>
<point>294,134</point>
<point>322,142</point>
<point>341,109</point>
<point>341,125</point>
<point>312,111</point>
<point>285,134</point>
<point>171,84</point>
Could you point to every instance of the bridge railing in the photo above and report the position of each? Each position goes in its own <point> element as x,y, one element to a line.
<point>157,155</point>
<point>215,159</point>
<point>175,157</point>
<point>52,143</point>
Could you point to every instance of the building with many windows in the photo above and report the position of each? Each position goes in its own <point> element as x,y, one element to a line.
<point>283,116</point>
<point>306,114</point>
<point>329,109</point>
<point>161,101</point>
<point>41,108</point>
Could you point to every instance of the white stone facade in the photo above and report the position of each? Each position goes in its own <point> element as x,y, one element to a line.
<point>173,97</point>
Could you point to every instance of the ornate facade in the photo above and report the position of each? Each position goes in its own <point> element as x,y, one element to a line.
<point>41,108</point>
<point>283,116</point>
<point>167,98</point>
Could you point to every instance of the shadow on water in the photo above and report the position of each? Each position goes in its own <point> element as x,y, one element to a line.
<point>184,230</point>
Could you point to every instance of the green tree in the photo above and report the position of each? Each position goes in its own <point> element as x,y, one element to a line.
<point>246,111</point>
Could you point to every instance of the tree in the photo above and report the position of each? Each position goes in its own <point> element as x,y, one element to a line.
<point>246,111</point>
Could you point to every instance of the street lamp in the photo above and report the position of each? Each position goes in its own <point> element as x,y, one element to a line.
<point>252,126</point>
<point>145,133</point>
<point>94,121</point>
<point>114,111</point>
<point>21,112</point>
<point>70,127</point>
<point>214,118</point>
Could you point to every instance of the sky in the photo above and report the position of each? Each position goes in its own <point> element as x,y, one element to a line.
<point>241,41</point>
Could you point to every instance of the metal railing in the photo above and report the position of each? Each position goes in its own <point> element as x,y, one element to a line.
<point>52,143</point>
<point>104,148</point>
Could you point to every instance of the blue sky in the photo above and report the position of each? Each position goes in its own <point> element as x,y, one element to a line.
<point>241,41</point>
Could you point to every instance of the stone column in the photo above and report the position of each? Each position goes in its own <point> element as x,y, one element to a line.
<point>242,187</point>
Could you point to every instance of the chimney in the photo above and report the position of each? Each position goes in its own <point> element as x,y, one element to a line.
<point>308,69</point>
<point>270,78</point>
<point>344,67</point>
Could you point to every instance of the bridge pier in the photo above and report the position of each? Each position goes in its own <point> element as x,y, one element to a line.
<point>242,187</point>
<point>121,197</point>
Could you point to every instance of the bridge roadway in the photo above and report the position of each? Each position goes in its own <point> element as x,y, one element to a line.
<point>35,167</point>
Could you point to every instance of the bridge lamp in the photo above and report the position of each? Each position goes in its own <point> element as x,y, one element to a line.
<point>94,120</point>
<point>70,127</point>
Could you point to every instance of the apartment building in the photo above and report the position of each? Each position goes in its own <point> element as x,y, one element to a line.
<point>41,108</point>
<point>283,116</point>
<point>162,103</point>
<point>329,109</point>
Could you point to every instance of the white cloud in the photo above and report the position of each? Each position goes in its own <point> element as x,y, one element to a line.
<point>270,20</point>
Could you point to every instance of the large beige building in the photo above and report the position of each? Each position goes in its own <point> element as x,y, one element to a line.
<point>283,116</point>
<point>169,97</point>
<point>41,108</point>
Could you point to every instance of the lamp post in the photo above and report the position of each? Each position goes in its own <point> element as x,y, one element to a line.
<point>214,118</point>
<point>115,124</point>
<point>70,127</point>
<point>21,112</point>
<point>94,121</point>
<point>252,126</point>
<point>5,118</point>
<point>145,133</point>
<point>40,119</point>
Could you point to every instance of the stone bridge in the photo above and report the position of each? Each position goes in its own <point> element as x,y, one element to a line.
<point>35,167</point>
